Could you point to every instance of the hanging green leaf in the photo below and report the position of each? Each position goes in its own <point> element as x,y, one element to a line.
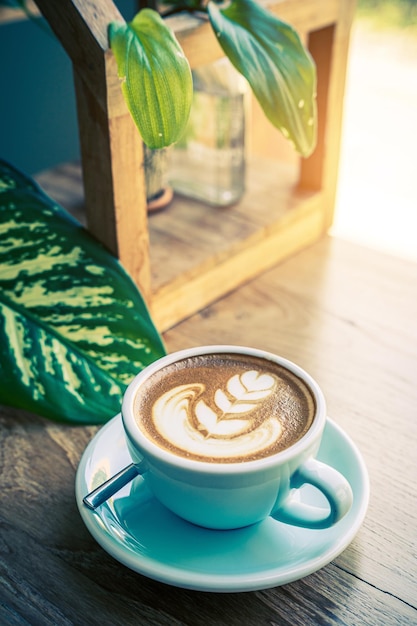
<point>74,329</point>
<point>279,69</point>
<point>156,77</point>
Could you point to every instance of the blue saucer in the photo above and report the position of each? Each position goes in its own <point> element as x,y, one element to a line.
<point>146,537</point>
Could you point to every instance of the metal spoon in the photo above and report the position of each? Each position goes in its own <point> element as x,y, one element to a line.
<point>111,486</point>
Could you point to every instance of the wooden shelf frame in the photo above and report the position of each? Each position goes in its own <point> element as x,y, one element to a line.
<point>299,208</point>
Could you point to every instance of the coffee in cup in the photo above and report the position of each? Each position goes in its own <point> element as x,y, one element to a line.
<point>225,436</point>
<point>224,407</point>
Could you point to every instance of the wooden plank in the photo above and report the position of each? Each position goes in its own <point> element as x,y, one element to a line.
<point>114,184</point>
<point>306,15</point>
<point>190,232</point>
<point>329,47</point>
<point>193,290</point>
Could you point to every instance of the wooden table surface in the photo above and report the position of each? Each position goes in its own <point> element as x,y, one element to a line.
<point>346,314</point>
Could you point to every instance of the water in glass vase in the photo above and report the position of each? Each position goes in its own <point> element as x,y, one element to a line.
<point>208,163</point>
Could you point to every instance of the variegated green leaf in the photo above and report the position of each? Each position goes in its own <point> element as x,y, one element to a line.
<point>280,71</point>
<point>156,77</point>
<point>74,329</point>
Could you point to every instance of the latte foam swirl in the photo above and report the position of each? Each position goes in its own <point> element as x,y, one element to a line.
<point>223,407</point>
<point>225,425</point>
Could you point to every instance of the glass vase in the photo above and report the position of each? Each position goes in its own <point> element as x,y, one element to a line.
<point>208,163</point>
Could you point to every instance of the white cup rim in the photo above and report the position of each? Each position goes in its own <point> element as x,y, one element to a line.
<point>148,448</point>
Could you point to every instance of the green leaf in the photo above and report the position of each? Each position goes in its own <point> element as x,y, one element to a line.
<point>156,77</point>
<point>74,329</point>
<point>280,71</point>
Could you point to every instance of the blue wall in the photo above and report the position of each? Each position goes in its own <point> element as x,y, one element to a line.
<point>38,122</point>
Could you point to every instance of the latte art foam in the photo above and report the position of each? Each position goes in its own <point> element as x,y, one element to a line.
<point>224,408</point>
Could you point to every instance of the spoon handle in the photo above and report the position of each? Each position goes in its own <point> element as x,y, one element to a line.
<point>111,486</point>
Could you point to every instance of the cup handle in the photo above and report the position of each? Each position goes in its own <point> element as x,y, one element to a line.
<point>330,482</point>
<point>112,485</point>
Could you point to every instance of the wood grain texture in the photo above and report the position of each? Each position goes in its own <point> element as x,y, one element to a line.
<point>347,315</point>
<point>199,253</point>
<point>114,183</point>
